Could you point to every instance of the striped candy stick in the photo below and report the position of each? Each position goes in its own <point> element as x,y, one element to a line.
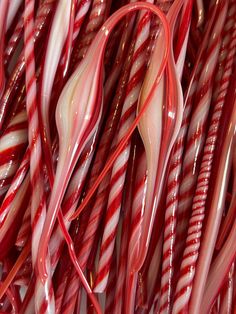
<point>18,205</point>
<point>111,287</point>
<point>3,19</point>
<point>15,185</point>
<point>138,66</point>
<point>13,41</point>
<point>44,301</point>
<point>199,201</point>
<point>12,145</point>
<point>42,19</point>
<point>197,128</point>
<point>84,6</point>
<point>174,183</point>
<point>72,197</point>
<point>25,229</point>
<point>125,223</point>
<point>95,21</point>
<point>139,194</point>
<point>90,222</point>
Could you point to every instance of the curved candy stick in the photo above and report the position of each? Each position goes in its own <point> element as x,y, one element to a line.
<point>137,119</point>
<point>57,38</point>
<point>150,129</point>
<point>78,120</point>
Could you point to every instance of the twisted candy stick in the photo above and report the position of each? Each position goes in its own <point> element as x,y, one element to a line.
<point>199,201</point>
<point>205,286</point>
<point>85,129</point>
<point>3,17</point>
<point>96,19</point>
<point>196,132</point>
<point>83,9</point>
<point>94,217</point>
<point>42,20</point>
<point>111,286</point>
<point>135,231</point>
<point>44,301</point>
<point>125,231</point>
<point>174,182</point>
<point>165,134</point>
<point>138,66</point>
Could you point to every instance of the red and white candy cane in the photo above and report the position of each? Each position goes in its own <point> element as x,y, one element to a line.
<point>138,66</point>
<point>3,20</point>
<point>174,182</point>
<point>199,201</point>
<point>44,301</point>
<point>197,128</point>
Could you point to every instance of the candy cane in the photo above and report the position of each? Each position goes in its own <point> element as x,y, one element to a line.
<point>201,298</point>
<point>120,166</point>
<point>12,143</point>
<point>198,208</point>
<point>44,301</point>
<point>197,129</point>
<point>3,12</point>
<point>42,20</point>
<point>13,42</point>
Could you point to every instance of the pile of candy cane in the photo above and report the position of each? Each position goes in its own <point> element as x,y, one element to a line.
<point>117,156</point>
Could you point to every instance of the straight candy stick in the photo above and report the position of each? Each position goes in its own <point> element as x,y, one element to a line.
<point>44,300</point>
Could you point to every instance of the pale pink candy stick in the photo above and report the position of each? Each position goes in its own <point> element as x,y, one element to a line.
<point>3,15</point>
<point>206,288</point>
<point>138,66</point>
<point>199,201</point>
<point>44,300</point>
<point>196,132</point>
<point>226,296</point>
<point>152,132</point>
